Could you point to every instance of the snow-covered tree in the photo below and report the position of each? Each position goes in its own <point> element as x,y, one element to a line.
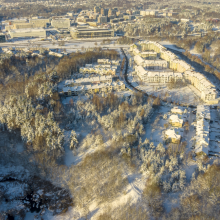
<point>73,140</point>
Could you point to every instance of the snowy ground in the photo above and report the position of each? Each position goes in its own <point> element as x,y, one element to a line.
<point>167,44</point>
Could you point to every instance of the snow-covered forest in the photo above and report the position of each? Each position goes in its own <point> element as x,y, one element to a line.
<point>93,156</point>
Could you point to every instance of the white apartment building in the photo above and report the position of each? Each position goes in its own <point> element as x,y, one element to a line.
<point>170,60</point>
<point>88,81</point>
<point>93,88</point>
<point>207,89</point>
<point>202,129</point>
<point>155,64</point>
<point>100,69</point>
<point>107,61</point>
<point>157,77</point>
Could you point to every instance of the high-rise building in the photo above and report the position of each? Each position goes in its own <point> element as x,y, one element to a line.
<point>104,11</point>
<point>102,19</point>
<point>112,12</point>
<point>97,9</point>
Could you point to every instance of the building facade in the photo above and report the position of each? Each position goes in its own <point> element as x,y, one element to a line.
<point>20,33</point>
<point>61,23</point>
<point>91,33</point>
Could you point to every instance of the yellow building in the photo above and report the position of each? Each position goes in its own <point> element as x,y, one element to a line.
<point>172,137</point>
<point>175,121</point>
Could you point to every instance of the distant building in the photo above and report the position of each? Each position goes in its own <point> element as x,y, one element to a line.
<point>112,12</point>
<point>149,12</point>
<point>97,9</point>
<point>102,19</point>
<point>22,33</point>
<point>104,12</point>
<point>90,32</point>
<point>60,23</point>
<point>176,110</point>
<point>22,25</point>
<point>40,23</point>
<point>2,38</point>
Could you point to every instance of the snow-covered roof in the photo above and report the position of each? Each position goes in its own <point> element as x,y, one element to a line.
<point>136,51</point>
<point>149,52</point>
<point>176,119</point>
<point>138,60</point>
<point>202,129</point>
<point>176,110</point>
<point>203,111</point>
<point>172,134</point>
<point>92,86</point>
<point>202,148</point>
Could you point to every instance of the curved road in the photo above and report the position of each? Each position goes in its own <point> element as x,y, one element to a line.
<point>126,75</point>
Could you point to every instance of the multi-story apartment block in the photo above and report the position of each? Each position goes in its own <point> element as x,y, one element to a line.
<point>157,77</point>
<point>101,69</point>
<point>202,130</point>
<point>93,88</point>
<point>206,88</point>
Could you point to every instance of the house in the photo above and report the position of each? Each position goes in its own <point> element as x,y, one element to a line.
<point>175,121</point>
<point>176,110</point>
<point>172,137</point>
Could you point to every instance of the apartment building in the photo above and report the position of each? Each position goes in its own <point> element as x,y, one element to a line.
<point>93,88</point>
<point>155,64</point>
<point>206,88</point>
<point>157,77</point>
<point>202,130</point>
<point>88,81</point>
<point>107,61</point>
<point>99,69</point>
<point>149,54</point>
